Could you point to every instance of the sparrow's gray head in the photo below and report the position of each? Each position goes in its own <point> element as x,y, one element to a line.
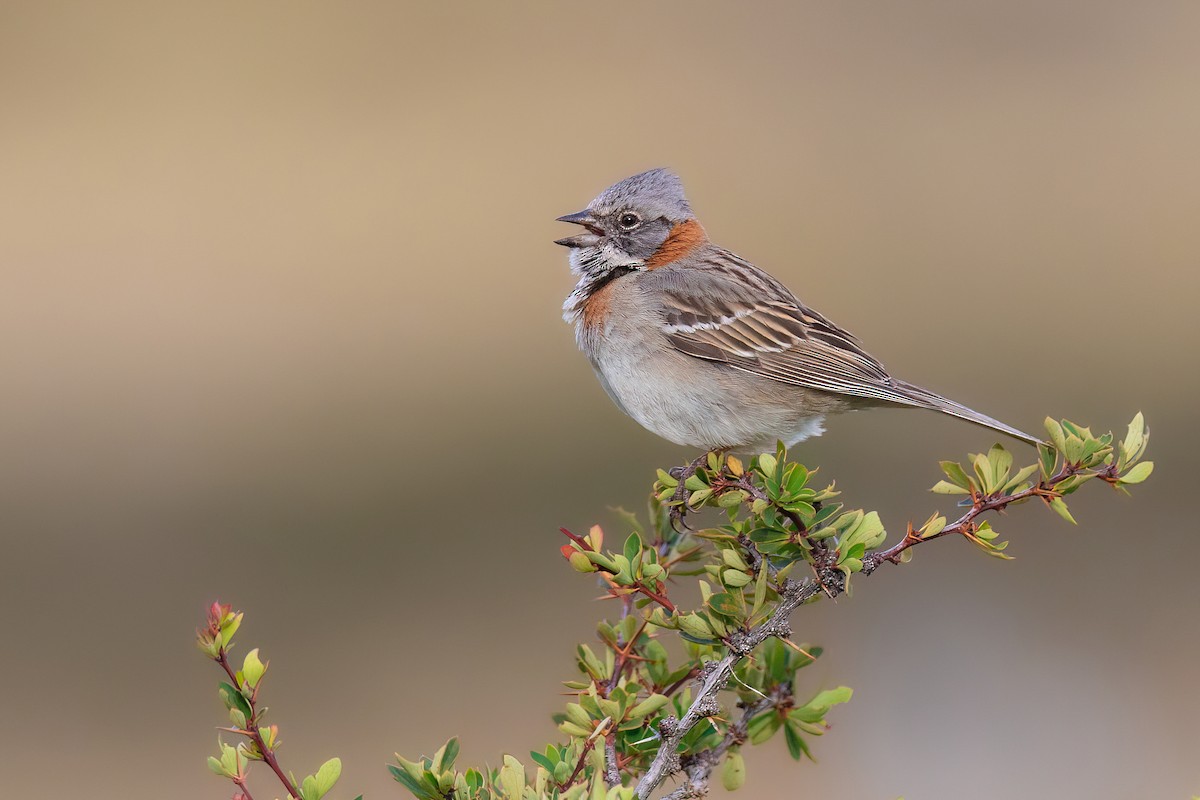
<point>628,221</point>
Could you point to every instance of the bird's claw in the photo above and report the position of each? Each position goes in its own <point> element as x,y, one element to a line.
<point>679,500</point>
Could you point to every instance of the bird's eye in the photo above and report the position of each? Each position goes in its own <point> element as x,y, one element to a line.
<point>629,220</point>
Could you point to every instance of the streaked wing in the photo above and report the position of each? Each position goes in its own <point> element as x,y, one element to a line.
<point>758,326</point>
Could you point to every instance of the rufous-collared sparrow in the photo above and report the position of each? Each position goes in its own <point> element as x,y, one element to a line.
<point>704,348</point>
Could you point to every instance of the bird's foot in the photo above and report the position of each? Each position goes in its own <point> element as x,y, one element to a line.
<point>679,500</point>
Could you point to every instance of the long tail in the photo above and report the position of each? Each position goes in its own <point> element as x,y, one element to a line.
<point>923,398</point>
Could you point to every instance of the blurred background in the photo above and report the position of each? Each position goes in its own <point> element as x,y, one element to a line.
<point>275,273</point>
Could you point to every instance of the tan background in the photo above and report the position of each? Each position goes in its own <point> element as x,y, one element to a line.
<point>274,271</point>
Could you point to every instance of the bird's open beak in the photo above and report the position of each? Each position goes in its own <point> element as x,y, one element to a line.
<point>585,219</point>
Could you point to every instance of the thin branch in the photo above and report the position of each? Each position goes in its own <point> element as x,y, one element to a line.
<point>243,791</point>
<point>661,599</point>
<point>965,525</point>
<point>251,732</point>
<point>587,748</point>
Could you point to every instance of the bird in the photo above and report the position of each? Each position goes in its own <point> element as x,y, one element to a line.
<point>702,347</point>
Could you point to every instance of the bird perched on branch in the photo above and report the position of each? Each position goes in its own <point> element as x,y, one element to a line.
<point>704,348</point>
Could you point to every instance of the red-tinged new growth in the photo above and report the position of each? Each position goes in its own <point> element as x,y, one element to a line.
<point>241,698</point>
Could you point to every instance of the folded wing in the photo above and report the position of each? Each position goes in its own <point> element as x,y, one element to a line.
<point>726,310</point>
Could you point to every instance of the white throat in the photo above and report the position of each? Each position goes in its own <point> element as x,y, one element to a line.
<point>593,265</point>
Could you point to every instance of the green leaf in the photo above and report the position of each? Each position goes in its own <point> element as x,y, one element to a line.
<point>589,662</point>
<point>766,535</point>
<point>694,625</point>
<point>648,706</point>
<point>408,782</point>
<point>253,668</point>
<point>760,589</point>
<point>1074,450</point>
<point>767,464</point>
<point>1057,437</point>
<point>795,476</point>
<point>601,560</point>
<point>776,658</point>
<point>543,761</point>
<point>444,758</point>
<point>795,743</point>
<point>735,578</point>
<point>956,474</point>
<point>945,487</point>
<point>411,768</point>
<point>576,714</point>
<point>229,627</point>
<point>763,727</point>
<point>624,574</point>
<point>1023,475</point>
<point>1061,508</point>
<point>829,698</point>
<point>725,604</point>
<point>1069,485</point>
<point>983,470</point>
<point>1138,473</point>
<point>870,531</point>
<point>571,729</point>
<point>1074,430</point>
<point>1047,459</point>
<point>233,699</point>
<point>1001,461</point>
<point>512,777</point>
<point>231,760</point>
<point>933,527</point>
<point>633,548</point>
<point>329,773</point>
<point>732,498</point>
<point>733,771</point>
<point>1135,439</point>
<point>734,559</point>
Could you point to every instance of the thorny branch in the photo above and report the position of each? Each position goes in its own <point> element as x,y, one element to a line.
<point>965,525</point>
<point>716,674</point>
